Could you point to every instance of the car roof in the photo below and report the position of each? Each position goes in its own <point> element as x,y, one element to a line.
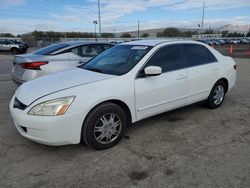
<point>74,43</point>
<point>159,41</point>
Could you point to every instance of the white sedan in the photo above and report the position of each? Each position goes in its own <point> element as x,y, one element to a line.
<point>127,83</point>
<point>55,58</point>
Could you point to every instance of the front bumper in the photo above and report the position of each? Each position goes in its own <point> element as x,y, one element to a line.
<point>48,130</point>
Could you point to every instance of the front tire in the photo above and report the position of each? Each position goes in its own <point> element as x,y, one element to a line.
<point>104,126</point>
<point>217,95</point>
<point>14,51</point>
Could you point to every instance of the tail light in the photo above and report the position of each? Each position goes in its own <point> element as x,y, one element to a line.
<point>33,65</point>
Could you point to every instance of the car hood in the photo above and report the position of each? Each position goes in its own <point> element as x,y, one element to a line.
<point>43,86</point>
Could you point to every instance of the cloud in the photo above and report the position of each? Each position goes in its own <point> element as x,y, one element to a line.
<point>115,13</point>
<point>210,4</point>
<point>114,10</point>
<point>28,25</point>
<point>9,3</point>
<point>150,24</point>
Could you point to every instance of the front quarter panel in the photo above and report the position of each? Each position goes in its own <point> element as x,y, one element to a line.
<point>90,95</point>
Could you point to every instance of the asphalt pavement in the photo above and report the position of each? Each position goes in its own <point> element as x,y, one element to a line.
<point>189,147</point>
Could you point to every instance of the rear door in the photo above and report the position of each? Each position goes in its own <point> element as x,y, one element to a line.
<point>156,94</point>
<point>202,70</point>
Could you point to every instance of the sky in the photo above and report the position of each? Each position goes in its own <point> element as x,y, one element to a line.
<point>22,16</point>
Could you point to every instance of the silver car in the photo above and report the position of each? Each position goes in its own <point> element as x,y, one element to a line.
<point>55,58</point>
<point>12,46</point>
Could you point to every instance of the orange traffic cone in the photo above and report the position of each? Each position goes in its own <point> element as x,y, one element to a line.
<point>248,53</point>
<point>231,49</point>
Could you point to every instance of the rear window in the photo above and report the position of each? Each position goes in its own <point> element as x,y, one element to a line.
<point>50,49</point>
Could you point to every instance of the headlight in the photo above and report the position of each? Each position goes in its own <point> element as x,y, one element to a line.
<point>54,107</point>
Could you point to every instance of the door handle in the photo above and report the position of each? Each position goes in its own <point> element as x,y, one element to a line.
<point>181,77</point>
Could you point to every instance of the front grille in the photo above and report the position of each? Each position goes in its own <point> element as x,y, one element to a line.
<point>19,105</point>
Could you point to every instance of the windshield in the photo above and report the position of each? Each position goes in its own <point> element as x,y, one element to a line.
<point>117,60</point>
<point>50,49</point>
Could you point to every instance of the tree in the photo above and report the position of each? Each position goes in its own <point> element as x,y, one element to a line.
<point>170,32</point>
<point>159,34</point>
<point>145,35</point>
<point>189,33</point>
<point>248,34</point>
<point>126,35</point>
<point>6,35</point>
<point>224,33</point>
<point>235,34</point>
<point>107,35</point>
<point>209,31</point>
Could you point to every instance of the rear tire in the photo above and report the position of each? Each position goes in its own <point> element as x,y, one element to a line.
<point>104,126</point>
<point>217,95</point>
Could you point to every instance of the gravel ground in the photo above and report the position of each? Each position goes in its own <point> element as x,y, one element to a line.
<point>189,147</point>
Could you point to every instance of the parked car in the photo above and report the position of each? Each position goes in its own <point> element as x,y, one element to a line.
<point>9,46</point>
<point>125,84</point>
<point>21,43</point>
<point>244,41</point>
<point>55,58</point>
<point>234,41</point>
<point>205,41</point>
<point>215,42</point>
<point>221,41</point>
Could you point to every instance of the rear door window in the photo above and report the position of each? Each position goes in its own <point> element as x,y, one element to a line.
<point>87,50</point>
<point>196,54</point>
<point>50,49</point>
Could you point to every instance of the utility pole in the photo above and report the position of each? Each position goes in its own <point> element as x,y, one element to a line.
<point>95,23</point>
<point>203,13</point>
<point>114,32</point>
<point>138,32</point>
<point>99,16</point>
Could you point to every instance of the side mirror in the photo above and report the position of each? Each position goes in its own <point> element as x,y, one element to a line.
<point>152,71</point>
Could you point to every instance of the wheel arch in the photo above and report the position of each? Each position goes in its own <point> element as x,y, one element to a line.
<point>124,106</point>
<point>14,48</point>
<point>225,81</point>
<point>118,102</point>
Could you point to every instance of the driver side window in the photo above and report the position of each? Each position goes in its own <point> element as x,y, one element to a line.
<point>168,58</point>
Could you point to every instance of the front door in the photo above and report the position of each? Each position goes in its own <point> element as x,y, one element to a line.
<point>156,94</point>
